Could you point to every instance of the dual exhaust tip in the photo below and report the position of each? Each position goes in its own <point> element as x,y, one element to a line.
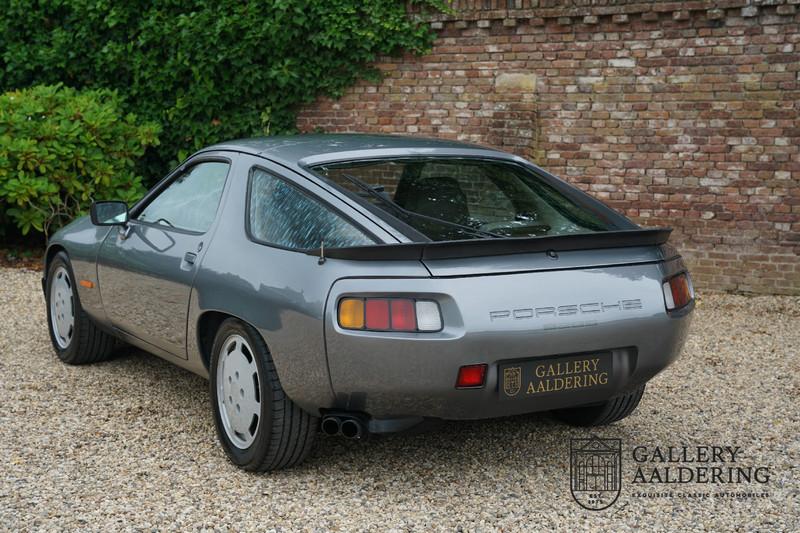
<point>346,426</point>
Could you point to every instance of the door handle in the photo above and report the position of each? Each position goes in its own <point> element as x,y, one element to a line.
<point>189,257</point>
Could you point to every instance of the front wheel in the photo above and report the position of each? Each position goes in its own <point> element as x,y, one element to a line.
<point>604,413</point>
<point>259,427</point>
<point>76,339</point>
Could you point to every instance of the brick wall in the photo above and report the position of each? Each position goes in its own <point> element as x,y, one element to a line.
<point>684,114</point>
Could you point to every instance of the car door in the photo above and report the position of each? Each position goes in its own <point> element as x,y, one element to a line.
<point>146,269</point>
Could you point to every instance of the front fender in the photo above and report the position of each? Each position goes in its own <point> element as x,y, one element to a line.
<point>81,240</point>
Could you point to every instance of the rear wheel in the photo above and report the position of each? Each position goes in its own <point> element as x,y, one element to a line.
<point>259,427</point>
<point>76,339</point>
<point>604,413</point>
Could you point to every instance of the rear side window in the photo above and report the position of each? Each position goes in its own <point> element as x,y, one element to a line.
<point>283,215</point>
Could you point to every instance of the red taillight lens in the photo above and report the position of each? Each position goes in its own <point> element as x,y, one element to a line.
<point>678,291</point>
<point>471,376</point>
<point>403,316</point>
<point>377,312</point>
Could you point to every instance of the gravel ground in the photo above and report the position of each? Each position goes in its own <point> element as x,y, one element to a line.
<point>129,445</point>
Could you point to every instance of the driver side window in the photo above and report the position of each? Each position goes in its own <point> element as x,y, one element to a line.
<point>190,202</point>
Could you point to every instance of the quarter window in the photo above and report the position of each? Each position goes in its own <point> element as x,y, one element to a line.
<point>282,215</point>
<point>190,202</point>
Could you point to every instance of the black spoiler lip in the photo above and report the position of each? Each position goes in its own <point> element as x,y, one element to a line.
<point>488,247</point>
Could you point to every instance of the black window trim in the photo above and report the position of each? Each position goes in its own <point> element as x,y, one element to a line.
<point>305,192</point>
<point>165,182</point>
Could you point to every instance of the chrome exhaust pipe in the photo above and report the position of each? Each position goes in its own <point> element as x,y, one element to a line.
<point>331,425</point>
<point>351,428</point>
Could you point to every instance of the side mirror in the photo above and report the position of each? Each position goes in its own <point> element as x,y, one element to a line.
<point>109,213</point>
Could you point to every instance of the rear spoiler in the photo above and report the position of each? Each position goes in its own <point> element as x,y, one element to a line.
<point>488,247</point>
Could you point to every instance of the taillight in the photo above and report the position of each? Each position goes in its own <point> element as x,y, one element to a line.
<point>377,314</point>
<point>471,376</point>
<point>389,314</point>
<point>404,316</point>
<point>351,313</point>
<point>678,291</point>
<point>428,316</point>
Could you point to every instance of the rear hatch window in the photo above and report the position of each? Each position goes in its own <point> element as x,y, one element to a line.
<point>447,199</point>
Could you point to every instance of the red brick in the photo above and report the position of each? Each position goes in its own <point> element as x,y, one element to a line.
<point>689,120</point>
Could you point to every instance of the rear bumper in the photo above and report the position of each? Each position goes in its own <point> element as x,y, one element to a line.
<point>413,375</point>
<point>408,382</point>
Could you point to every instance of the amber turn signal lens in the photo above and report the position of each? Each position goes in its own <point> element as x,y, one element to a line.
<point>351,313</point>
<point>678,291</point>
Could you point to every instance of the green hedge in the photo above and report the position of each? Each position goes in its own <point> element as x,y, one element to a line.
<point>205,70</point>
<point>61,148</point>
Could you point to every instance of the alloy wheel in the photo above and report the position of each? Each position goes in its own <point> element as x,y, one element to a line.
<point>62,307</point>
<point>238,391</point>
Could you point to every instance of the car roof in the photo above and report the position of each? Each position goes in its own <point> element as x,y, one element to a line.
<point>311,149</point>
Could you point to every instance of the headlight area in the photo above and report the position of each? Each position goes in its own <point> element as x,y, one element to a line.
<point>389,314</point>
<point>678,291</point>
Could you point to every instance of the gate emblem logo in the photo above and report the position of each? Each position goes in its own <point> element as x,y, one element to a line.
<point>512,380</point>
<point>595,472</point>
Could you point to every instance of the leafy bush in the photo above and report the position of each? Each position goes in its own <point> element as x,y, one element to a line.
<point>206,71</point>
<point>60,148</point>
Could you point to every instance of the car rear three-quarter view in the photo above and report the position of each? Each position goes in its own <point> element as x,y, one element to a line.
<point>356,284</point>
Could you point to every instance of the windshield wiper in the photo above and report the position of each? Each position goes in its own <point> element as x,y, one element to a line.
<point>372,192</point>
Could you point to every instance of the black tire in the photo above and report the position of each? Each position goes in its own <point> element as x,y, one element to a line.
<point>604,413</point>
<point>285,433</point>
<point>88,344</point>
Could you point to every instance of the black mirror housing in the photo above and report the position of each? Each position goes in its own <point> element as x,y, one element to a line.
<point>112,213</point>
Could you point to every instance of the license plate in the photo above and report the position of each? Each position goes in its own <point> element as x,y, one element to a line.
<point>554,375</point>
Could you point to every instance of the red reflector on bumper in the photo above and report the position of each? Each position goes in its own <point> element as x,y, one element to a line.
<point>471,376</point>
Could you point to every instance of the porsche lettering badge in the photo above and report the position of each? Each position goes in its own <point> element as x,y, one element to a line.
<point>584,309</point>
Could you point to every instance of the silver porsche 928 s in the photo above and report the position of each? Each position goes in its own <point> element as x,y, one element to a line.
<point>360,284</point>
